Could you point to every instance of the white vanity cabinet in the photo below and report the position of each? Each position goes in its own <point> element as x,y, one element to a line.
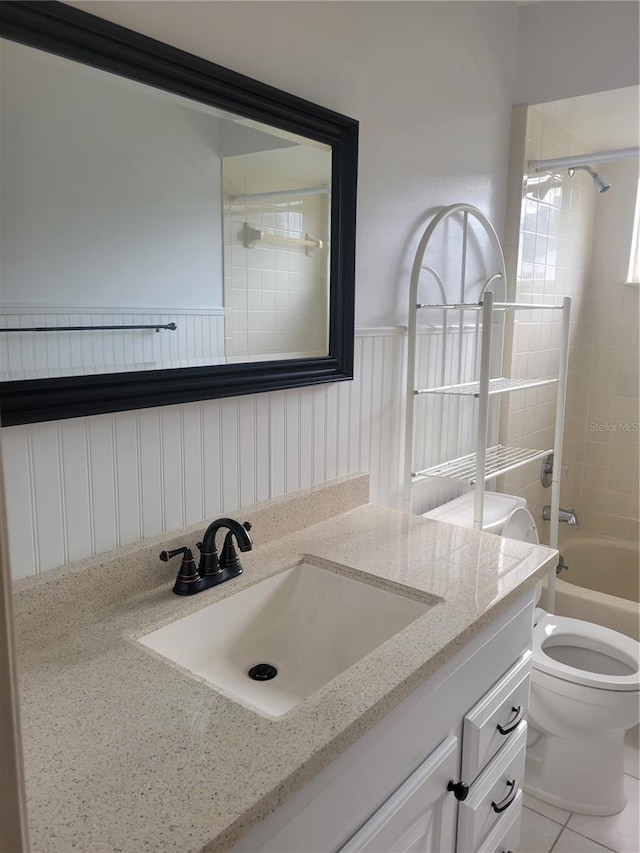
<point>388,791</point>
<point>420,815</point>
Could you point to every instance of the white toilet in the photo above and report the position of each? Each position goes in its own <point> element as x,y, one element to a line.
<point>585,687</point>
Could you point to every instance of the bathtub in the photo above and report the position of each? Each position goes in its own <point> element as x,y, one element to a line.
<point>601,584</point>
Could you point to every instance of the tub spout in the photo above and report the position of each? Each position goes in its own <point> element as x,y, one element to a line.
<point>567,515</point>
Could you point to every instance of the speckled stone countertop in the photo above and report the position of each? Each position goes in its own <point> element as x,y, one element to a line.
<point>125,751</point>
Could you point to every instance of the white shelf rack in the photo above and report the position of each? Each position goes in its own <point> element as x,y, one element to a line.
<point>496,386</point>
<point>486,463</point>
<point>499,459</point>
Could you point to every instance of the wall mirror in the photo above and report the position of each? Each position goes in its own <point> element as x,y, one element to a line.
<point>170,230</point>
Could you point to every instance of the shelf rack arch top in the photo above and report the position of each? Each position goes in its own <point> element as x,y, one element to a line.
<point>467,212</point>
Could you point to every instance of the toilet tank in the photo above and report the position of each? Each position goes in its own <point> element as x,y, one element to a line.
<point>497,511</point>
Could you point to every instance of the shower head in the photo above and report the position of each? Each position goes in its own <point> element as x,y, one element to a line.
<point>602,184</point>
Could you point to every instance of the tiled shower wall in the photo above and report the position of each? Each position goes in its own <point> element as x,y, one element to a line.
<point>570,242</point>
<point>608,493</point>
<point>275,293</point>
<point>552,254</point>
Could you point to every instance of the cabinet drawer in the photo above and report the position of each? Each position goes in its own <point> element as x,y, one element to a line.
<point>420,815</point>
<point>494,793</point>
<point>490,723</point>
<point>505,835</point>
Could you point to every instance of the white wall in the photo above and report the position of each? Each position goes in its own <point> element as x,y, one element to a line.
<point>432,132</point>
<point>566,49</point>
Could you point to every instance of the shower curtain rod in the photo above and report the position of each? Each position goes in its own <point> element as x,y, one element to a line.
<point>280,194</point>
<point>581,159</point>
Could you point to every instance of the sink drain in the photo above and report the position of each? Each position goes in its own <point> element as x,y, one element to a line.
<point>262,672</point>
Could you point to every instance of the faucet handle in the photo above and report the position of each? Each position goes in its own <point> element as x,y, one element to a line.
<point>188,580</point>
<point>249,545</point>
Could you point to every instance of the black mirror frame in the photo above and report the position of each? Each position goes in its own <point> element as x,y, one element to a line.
<point>73,34</point>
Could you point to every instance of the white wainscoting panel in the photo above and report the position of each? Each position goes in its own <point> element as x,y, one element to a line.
<point>198,340</point>
<point>83,486</point>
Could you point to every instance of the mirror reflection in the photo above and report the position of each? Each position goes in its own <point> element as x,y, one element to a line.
<point>140,230</point>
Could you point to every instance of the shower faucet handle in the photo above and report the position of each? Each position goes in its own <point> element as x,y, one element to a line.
<point>546,471</point>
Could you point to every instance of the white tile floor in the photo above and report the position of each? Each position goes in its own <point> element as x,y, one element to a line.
<point>548,829</point>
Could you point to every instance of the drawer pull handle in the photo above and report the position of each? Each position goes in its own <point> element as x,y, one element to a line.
<point>518,710</point>
<point>504,804</point>
<point>460,789</point>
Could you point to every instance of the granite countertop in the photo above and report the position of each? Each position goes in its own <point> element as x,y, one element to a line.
<point>125,751</point>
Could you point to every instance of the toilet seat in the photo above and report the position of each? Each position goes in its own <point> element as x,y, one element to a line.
<point>520,525</point>
<point>553,631</point>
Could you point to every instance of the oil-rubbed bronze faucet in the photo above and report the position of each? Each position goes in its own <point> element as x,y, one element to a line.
<point>211,570</point>
<point>216,570</point>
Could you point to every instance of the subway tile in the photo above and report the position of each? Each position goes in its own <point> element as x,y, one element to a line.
<point>238,298</point>
<point>623,457</point>
<point>539,269</point>
<point>516,424</point>
<point>268,259</point>
<point>254,278</point>
<point>238,256</point>
<point>254,300</point>
<point>592,521</point>
<point>616,527</point>
<point>530,213</point>
<point>521,338</point>
<point>595,453</point>
<point>238,320</point>
<point>595,500</point>
<point>595,477</point>
<point>625,409</point>
<point>620,480</point>
<point>625,437</point>
<point>268,300</point>
<point>238,283</point>
<point>620,504</point>
<point>528,249</point>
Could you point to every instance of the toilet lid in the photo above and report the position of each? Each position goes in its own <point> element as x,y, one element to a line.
<point>520,525</point>
<point>585,653</point>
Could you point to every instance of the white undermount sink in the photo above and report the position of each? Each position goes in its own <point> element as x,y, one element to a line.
<point>307,622</point>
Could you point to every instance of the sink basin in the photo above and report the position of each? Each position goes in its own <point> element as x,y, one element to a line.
<point>308,623</point>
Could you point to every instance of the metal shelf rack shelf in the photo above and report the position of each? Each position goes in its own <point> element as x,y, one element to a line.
<point>500,459</point>
<point>496,386</point>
